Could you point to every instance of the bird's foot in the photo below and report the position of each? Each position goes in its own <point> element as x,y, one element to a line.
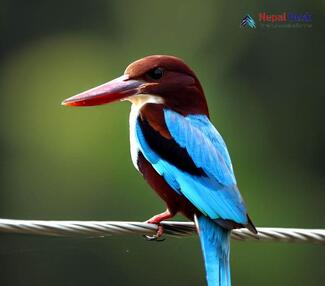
<point>156,220</point>
<point>158,236</point>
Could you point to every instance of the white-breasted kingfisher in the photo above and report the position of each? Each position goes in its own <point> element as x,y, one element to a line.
<point>179,152</point>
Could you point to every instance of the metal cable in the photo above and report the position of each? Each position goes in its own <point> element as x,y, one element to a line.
<point>172,228</point>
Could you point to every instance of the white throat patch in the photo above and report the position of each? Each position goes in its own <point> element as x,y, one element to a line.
<point>138,101</point>
<point>141,99</point>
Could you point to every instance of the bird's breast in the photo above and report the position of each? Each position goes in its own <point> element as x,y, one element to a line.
<point>134,147</point>
<point>138,102</point>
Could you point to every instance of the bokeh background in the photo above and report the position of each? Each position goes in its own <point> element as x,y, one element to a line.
<point>265,89</point>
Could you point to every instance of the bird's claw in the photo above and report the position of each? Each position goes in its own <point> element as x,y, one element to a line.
<point>158,236</point>
<point>154,238</point>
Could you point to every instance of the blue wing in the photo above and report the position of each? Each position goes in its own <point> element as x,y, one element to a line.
<point>215,193</point>
<point>204,144</point>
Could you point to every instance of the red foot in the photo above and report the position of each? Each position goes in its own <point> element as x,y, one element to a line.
<point>156,220</point>
<point>160,217</point>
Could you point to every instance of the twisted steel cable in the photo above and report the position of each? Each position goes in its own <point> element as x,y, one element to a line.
<point>172,228</point>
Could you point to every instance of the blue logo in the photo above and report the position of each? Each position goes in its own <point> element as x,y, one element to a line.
<point>248,21</point>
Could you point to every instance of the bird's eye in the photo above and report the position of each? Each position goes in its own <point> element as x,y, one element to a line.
<point>156,73</point>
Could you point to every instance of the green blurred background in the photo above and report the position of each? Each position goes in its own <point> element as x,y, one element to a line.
<point>266,96</point>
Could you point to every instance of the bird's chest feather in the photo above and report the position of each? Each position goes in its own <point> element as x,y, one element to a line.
<point>142,104</point>
<point>134,145</point>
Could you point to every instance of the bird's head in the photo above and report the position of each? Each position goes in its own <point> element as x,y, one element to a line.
<point>157,79</point>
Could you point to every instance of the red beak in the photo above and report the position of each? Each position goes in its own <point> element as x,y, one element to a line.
<point>111,91</point>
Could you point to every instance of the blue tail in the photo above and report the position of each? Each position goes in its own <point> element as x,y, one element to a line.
<point>215,243</point>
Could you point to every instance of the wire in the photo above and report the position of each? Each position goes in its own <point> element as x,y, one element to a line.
<point>171,228</point>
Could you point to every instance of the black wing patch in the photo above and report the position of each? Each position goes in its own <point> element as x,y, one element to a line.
<point>169,150</point>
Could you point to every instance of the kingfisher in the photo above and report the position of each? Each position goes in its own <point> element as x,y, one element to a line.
<point>179,152</point>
